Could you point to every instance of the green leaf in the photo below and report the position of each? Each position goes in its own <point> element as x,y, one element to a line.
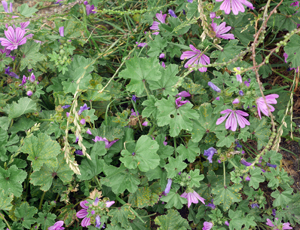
<point>175,166</point>
<point>11,180</point>
<point>189,152</point>
<point>230,50</point>
<point>150,106</point>
<point>261,129</point>
<point>193,88</point>
<point>120,179</point>
<point>224,140</point>
<point>22,125</point>
<point>205,124</point>
<point>282,198</point>
<point>227,196</point>
<point>173,199</point>
<point>292,212</point>
<point>41,150</point>
<point>4,61</point>
<point>46,219</point>
<point>177,118</point>
<point>6,198</point>
<point>4,122</point>
<point>145,157</point>
<point>285,20</point>
<point>172,221</point>
<point>156,46</point>
<point>178,27</point>
<point>137,224</point>
<point>164,151</point>
<point>168,79</point>
<point>140,70</point>
<point>26,213</point>
<point>27,11</point>
<point>45,176</point>
<point>143,197</point>
<point>238,220</point>
<point>110,132</point>
<point>256,177</point>
<point>273,157</point>
<point>24,105</point>
<point>31,54</point>
<point>121,215</point>
<point>195,178</point>
<point>192,10</point>
<point>91,168</point>
<point>293,51</point>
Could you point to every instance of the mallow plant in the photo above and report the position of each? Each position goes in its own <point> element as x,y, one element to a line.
<point>147,115</point>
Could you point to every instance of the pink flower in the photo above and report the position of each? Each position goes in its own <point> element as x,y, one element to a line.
<point>29,93</point>
<point>213,15</point>
<point>284,225</point>
<point>207,225</point>
<point>142,44</point>
<point>262,107</point>
<point>285,55</point>
<point>83,213</point>
<point>235,116</point>
<point>24,25</point>
<point>109,203</point>
<point>235,5</point>
<point>133,113</point>
<point>145,123</point>
<point>192,197</point>
<point>89,132</point>
<point>179,103</point>
<point>108,144</point>
<point>295,3</point>
<point>163,64</point>
<point>196,57</point>
<point>14,38</point>
<point>57,226</point>
<point>162,18</point>
<point>61,31</point>
<point>221,29</point>
<point>238,76</point>
<point>236,101</point>
<point>183,94</point>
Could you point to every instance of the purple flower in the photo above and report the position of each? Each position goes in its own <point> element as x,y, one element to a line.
<point>97,221</point>
<point>133,113</point>
<point>192,197</point>
<point>207,225</point>
<point>211,205</point>
<point>245,162</point>
<point>90,9</point>
<point>145,123</point>
<point>82,121</point>
<point>4,3</point>
<point>96,201</point>
<point>83,213</point>
<point>262,107</point>
<point>235,116</point>
<point>162,55</point>
<point>66,106</point>
<point>31,78</point>
<point>238,144</point>
<point>190,1</point>
<point>284,225</point>
<point>168,187</point>
<point>183,94</point>
<point>180,103</point>
<point>236,101</point>
<point>213,15</point>
<point>163,64</point>
<point>62,31</point>
<point>24,25</point>
<point>241,93</point>
<point>85,3</point>
<point>172,13</point>
<point>254,205</point>
<point>196,57</point>
<point>57,226</point>
<point>226,223</point>
<point>142,44</point>
<point>14,38</point>
<point>82,108</point>
<point>285,55</point>
<point>214,87</point>
<point>165,143</point>
<point>270,165</point>
<point>77,139</point>
<point>221,29</point>
<point>295,4</point>
<point>109,203</point>
<point>210,153</point>
<point>23,80</point>
<point>235,5</point>
<point>217,98</point>
<point>238,76</point>
<point>67,114</point>
<point>108,144</point>
<point>79,152</point>
<point>29,93</point>
<point>161,18</point>
<point>274,212</point>
<point>246,83</point>
<point>247,178</point>
<point>134,98</point>
<point>89,132</point>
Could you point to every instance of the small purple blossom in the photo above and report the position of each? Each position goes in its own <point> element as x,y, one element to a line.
<point>67,114</point>
<point>108,144</point>
<point>210,153</point>
<point>29,93</point>
<point>109,203</point>
<point>23,80</point>
<point>14,38</point>
<point>161,18</point>
<point>90,9</point>
<point>263,108</point>
<point>31,78</point>
<point>57,226</point>
<point>172,13</point>
<point>221,29</point>
<point>226,223</point>
<point>97,221</point>
<point>82,108</point>
<point>238,76</point>
<point>163,64</point>
<point>190,1</point>
<point>235,5</point>
<point>217,98</point>
<point>236,101</point>
<point>213,15</point>
<point>192,197</point>
<point>66,106</point>
<point>79,152</point>
<point>82,121</point>
<point>142,44</point>
<point>207,225</point>
<point>77,139</point>
<point>254,205</point>
<point>247,83</point>
<point>162,55</point>
<point>211,205</point>
<point>133,113</point>
<point>271,165</point>
<point>133,98</point>
<point>89,132</point>
<point>168,187</point>
<point>247,178</point>
<point>274,212</point>
<point>180,103</point>
<point>196,57</point>
<point>245,163</point>
<point>284,225</point>
<point>214,87</point>
<point>183,94</point>
<point>62,31</point>
<point>145,123</point>
<point>295,4</point>
<point>241,93</point>
<point>235,117</point>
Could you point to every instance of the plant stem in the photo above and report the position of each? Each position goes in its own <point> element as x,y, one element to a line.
<point>2,217</point>
<point>98,182</point>
<point>224,174</point>
<point>41,202</point>
<point>135,213</point>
